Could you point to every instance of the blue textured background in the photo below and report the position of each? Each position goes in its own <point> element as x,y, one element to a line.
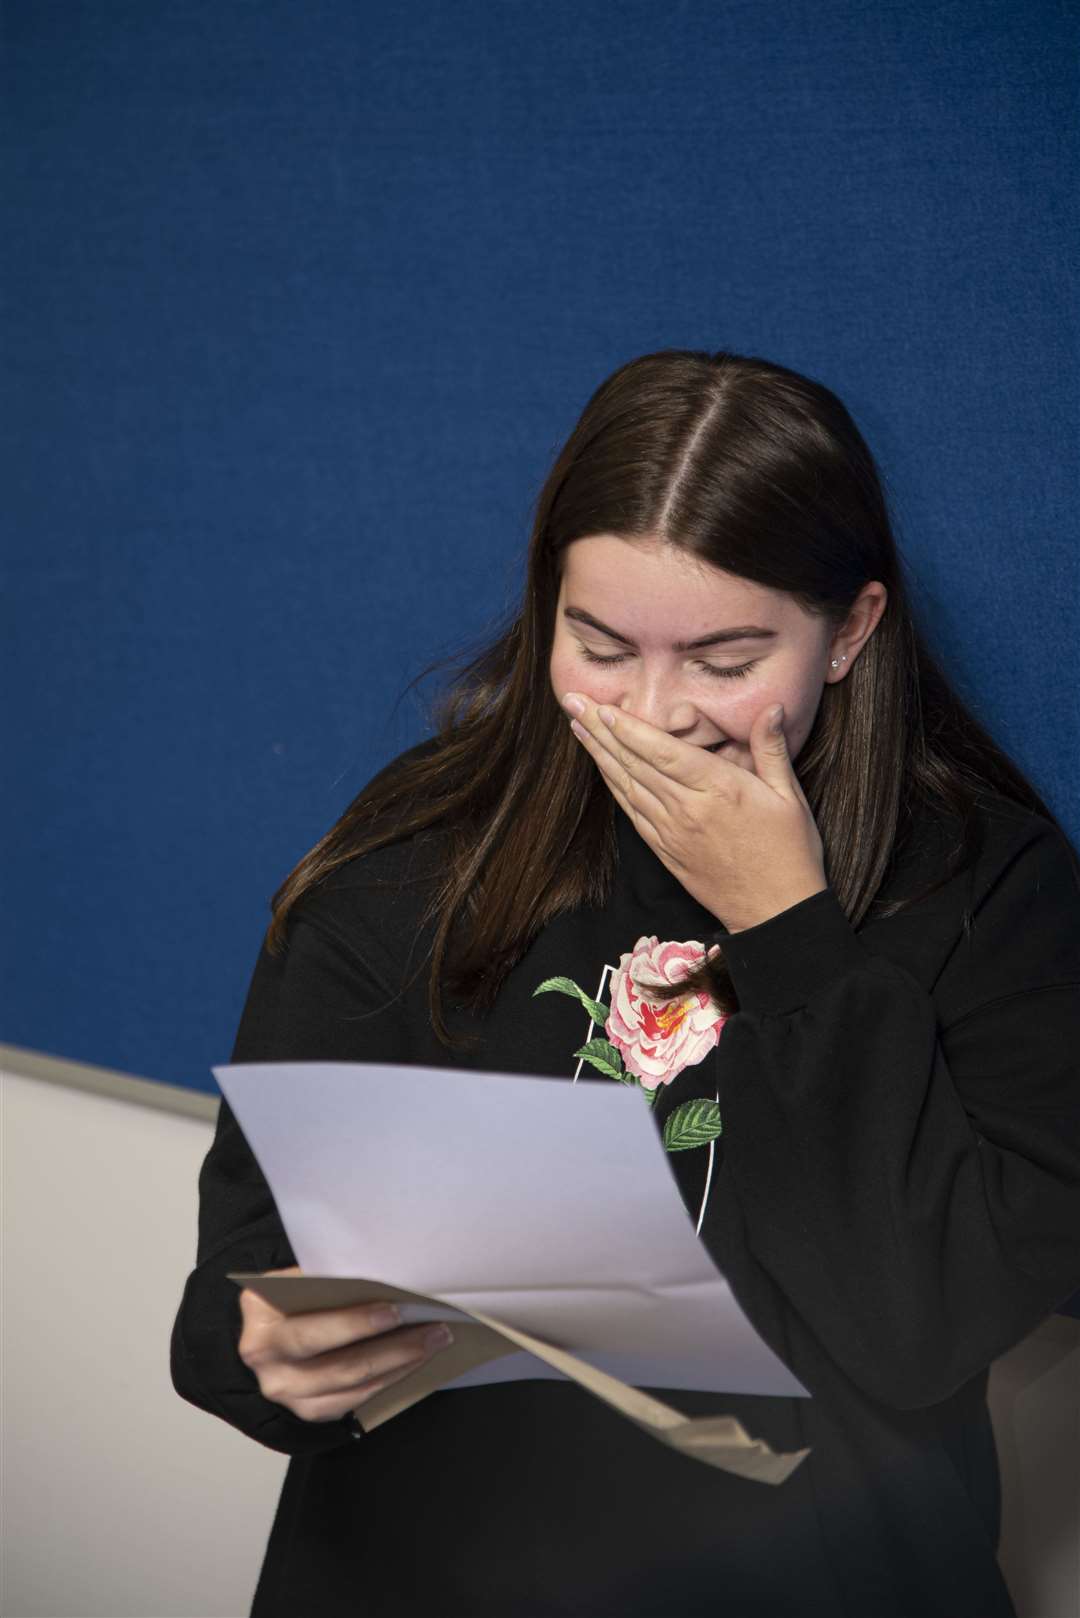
<point>304,298</point>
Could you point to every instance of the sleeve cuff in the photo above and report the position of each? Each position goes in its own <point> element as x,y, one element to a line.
<point>781,963</point>
<point>207,1370</point>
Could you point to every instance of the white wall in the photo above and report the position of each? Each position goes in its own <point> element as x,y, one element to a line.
<point>1034,1401</point>
<point>121,1501</point>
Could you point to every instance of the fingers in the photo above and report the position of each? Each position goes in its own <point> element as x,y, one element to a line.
<point>629,778</point>
<point>323,1363</point>
<point>630,797</point>
<point>329,1387</point>
<point>654,757</point>
<point>319,1331</point>
<point>355,1367</point>
<point>333,1406</point>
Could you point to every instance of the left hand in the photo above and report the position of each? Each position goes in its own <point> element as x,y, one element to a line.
<point>744,844</point>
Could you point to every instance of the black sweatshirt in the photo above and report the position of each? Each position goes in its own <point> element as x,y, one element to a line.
<point>895,1204</point>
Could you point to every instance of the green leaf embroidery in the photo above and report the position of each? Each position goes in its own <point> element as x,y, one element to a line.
<point>596,1009</point>
<point>650,1095</point>
<point>603,1056</point>
<point>693,1124</point>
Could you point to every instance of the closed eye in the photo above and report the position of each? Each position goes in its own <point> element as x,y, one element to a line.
<point>706,668</point>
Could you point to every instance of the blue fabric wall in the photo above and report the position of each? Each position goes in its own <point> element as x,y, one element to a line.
<point>303,298</point>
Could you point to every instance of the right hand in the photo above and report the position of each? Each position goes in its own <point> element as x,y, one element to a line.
<point>322,1364</point>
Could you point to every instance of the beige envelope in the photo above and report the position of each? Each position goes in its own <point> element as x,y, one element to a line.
<point>719,1441</point>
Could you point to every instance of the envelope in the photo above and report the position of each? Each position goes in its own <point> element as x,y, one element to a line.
<point>719,1441</point>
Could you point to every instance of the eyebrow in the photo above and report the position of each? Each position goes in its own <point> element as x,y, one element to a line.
<point>717,638</point>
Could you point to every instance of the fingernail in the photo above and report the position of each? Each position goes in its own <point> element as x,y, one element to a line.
<point>777,718</point>
<point>385,1316</point>
<point>606,715</point>
<point>438,1337</point>
<point>579,730</point>
<point>573,704</point>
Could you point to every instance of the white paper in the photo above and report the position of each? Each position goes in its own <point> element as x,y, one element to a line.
<point>545,1204</point>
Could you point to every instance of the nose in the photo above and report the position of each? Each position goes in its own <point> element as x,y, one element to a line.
<point>659,704</point>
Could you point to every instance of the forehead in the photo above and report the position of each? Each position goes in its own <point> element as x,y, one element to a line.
<point>650,589</point>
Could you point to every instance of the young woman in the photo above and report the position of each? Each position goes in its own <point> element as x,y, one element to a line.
<point>857,936</point>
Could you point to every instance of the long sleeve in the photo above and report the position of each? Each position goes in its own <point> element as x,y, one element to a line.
<point>319,1001</point>
<point>900,1182</point>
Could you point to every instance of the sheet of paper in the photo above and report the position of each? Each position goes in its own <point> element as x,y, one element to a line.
<point>548,1205</point>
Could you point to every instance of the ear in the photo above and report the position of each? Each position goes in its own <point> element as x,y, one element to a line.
<point>860,623</point>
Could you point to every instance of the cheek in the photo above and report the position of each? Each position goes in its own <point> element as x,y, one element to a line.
<point>570,673</point>
<point>799,712</point>
<point>733,706</point>
<point>561,671</point>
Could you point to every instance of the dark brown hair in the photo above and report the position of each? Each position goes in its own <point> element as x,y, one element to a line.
<point>763,473</point>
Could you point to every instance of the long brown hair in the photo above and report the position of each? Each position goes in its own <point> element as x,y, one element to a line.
<point>763,473</point>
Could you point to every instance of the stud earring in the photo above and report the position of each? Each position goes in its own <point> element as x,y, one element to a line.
<point>836,662</point>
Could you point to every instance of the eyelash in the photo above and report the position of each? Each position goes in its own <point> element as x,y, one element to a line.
<point>706,668</point>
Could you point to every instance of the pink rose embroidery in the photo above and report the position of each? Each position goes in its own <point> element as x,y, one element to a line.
<point>657,1038</point>
<point>648,1040</point>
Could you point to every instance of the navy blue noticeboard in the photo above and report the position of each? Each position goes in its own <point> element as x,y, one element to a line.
<point>304,300</point>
